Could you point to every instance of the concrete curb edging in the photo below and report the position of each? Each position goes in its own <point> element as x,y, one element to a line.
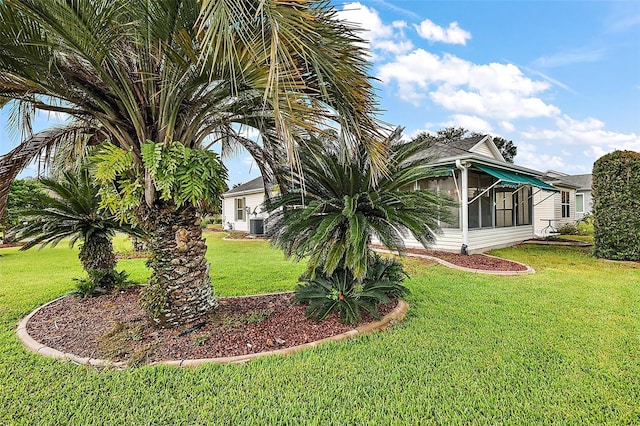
<point>388,320</point>
<point>529,269</point>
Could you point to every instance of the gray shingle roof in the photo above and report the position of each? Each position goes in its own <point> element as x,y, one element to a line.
<point>256,184</point>
<point>468,143</point>
<point>451,149</point>
<point>582,182</point>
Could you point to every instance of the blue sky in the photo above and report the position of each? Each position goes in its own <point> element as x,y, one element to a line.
<point>560,78</point>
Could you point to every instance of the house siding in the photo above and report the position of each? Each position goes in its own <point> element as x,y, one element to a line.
<point>480,240</point>
<point>448,240</point>
<point>544,209</point>
<point>251,201</point>
<point>483,149</point>
<point>486,239</point>
<point>557,199</point>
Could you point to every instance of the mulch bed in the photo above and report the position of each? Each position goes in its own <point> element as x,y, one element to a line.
<point>10,245</point>
<point>473,261</point>
<point>114,327</point>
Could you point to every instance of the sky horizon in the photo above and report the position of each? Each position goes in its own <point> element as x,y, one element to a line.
<point>560,79</point>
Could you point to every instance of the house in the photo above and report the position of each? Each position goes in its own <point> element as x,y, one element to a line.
<point>581,190</point>
<point>242,203</point>
<point>497,200</point>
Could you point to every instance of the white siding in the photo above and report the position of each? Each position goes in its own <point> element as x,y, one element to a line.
<point>480,240</point>
<point>251,201</point>
<point>449,240</point>
<point>483,149</point>
<point>485,239</point>
<point>558,207</point>
<point>544,209</point>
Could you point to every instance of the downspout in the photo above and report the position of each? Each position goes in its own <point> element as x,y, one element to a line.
<point>464,205</point>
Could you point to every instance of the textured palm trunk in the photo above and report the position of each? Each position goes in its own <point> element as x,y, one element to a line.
<point>99,261</point>
<point>179,289</point>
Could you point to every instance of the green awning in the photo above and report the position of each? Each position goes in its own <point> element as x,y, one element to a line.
<point>513,179</point>
<point>442,170</point>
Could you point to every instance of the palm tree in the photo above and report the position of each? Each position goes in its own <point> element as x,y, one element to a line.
<point>134,72</point>
<point>334,215</point>
<point>70,208</point>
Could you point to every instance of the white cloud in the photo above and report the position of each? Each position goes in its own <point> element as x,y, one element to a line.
<point>498,91</point>
<point>590,132</point>
<point>433,32</point>
<point>529,156</point>
<point>587,137</point>
<point>380,38</point>
<point>471,122</point>
<point>570,57</point>
<point>507,126</point>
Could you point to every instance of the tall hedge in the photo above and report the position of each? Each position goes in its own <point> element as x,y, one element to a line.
<point>616,206</point>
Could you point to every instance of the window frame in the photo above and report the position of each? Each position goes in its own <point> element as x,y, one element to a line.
<point>581,203</point>
<point>565,204</point>
<point>239,212</point>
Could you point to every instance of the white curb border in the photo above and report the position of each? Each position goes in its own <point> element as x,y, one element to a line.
<point>529,269</point>
<point>388,320</point>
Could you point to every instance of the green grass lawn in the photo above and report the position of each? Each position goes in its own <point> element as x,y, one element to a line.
<point>561,346</point>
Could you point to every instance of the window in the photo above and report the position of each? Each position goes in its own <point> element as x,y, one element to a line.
<point>565,204</point>
<point>579,203</point>
<point>481,210</point>
<point>504,207</point>
<point>444,186</point>
<point>239,209</point>
<point>513,208</point>
<point>523,211</point>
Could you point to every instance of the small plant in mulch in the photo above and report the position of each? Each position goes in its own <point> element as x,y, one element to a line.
<point>255,316</point>
<point>201,339</point>
<point>89,286</point>
<point>119,342</point>
<point>237,235</point>
<point>342,293</point>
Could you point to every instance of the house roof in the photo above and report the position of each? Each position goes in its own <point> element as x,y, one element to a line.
<point>468,143</point>
<point>579,182</point>
<point>253,186</point>
<point>582,182</point>
<point>440,150</point>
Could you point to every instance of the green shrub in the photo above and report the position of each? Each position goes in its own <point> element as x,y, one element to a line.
<point>586,219</point>
<point>568,229</point>
<point>616,186</point>
<point>340,292</point>
<point>94,284</point>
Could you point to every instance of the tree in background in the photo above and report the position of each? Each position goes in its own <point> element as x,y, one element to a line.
<point>158,84</point>
<point>70,208</point>
<point>616,206</point>
<point>506,147</point>
<point>23,195</point>
<point>450,134</point>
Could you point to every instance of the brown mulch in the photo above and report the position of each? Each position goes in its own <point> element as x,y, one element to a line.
<point>473,261</point>
<point>114,327</point>
<point>10,245</point>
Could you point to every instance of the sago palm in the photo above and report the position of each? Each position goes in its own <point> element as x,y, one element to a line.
<point>162,82</point>
<point>336,211</point>
<point>70,208</point>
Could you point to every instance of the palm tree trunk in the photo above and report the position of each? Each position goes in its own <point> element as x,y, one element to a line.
<point>99,261</point>
<point>179,289</point>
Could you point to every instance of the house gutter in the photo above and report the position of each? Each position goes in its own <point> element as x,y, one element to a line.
<point>464,204</point>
